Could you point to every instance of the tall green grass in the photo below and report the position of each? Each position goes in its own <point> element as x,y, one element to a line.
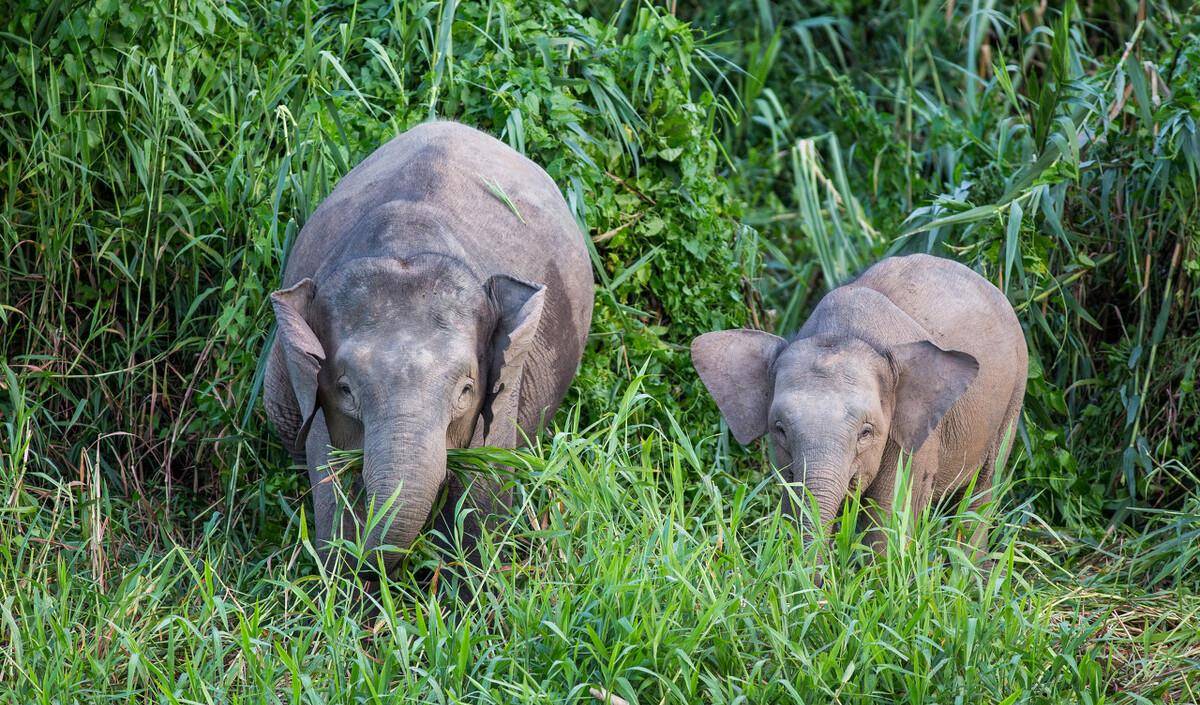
<point>634,565</point>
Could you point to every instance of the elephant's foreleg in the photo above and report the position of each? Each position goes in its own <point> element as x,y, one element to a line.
<point>333,512</point>
<point>481,502</point>
<point>882,499</point>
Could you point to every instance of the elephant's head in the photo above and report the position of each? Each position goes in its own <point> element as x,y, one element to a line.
<point>406,359</point>
<point>830,403</point>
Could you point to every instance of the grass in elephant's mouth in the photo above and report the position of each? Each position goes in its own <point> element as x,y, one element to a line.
<point>614,573</point>
<point>458,459</point>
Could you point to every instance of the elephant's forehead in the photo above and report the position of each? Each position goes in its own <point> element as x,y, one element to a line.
<point>397,348</point>
<point>822,366</point>
<point>823,404</point>
<point>406,310</point>
<point>425,292</point>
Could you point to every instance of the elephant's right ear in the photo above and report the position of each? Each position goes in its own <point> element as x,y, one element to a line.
<point>301,348</point>
<point>518,306</point>
<point>929,380</point>
<point>735,366</point>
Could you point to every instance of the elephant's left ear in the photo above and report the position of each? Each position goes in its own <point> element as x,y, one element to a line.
<point>928,382</point>
<point>518,306</point>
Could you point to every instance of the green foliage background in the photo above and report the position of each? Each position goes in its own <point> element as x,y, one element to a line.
<point>195,159</point>
<point>1055,151</point>
<point>729,163</point>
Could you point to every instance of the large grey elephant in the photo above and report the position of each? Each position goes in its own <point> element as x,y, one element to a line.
<point>919,354</point>
<point>440,297</point>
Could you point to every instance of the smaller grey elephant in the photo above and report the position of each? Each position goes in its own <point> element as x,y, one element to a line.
<point>919,355</point>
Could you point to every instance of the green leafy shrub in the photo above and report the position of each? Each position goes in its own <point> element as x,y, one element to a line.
<point>159,161</point>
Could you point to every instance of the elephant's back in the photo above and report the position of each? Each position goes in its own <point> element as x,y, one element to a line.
<point>959,308</point>
<point>501,210</point>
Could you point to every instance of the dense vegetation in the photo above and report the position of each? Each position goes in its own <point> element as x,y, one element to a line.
<point>729,163</point>
<point>1056,153</point>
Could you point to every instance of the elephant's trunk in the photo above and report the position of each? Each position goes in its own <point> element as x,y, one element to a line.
<point>403,469</point>
<point>825,478</point>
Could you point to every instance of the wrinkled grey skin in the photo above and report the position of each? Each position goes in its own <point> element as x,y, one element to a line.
<point>918,354</point>
<point>420,313</point>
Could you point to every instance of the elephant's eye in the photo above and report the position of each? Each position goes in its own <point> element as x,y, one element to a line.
<point>780,430</point>
<point>467,388</point>
<point>345,394</point>
<point>865,434</point>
